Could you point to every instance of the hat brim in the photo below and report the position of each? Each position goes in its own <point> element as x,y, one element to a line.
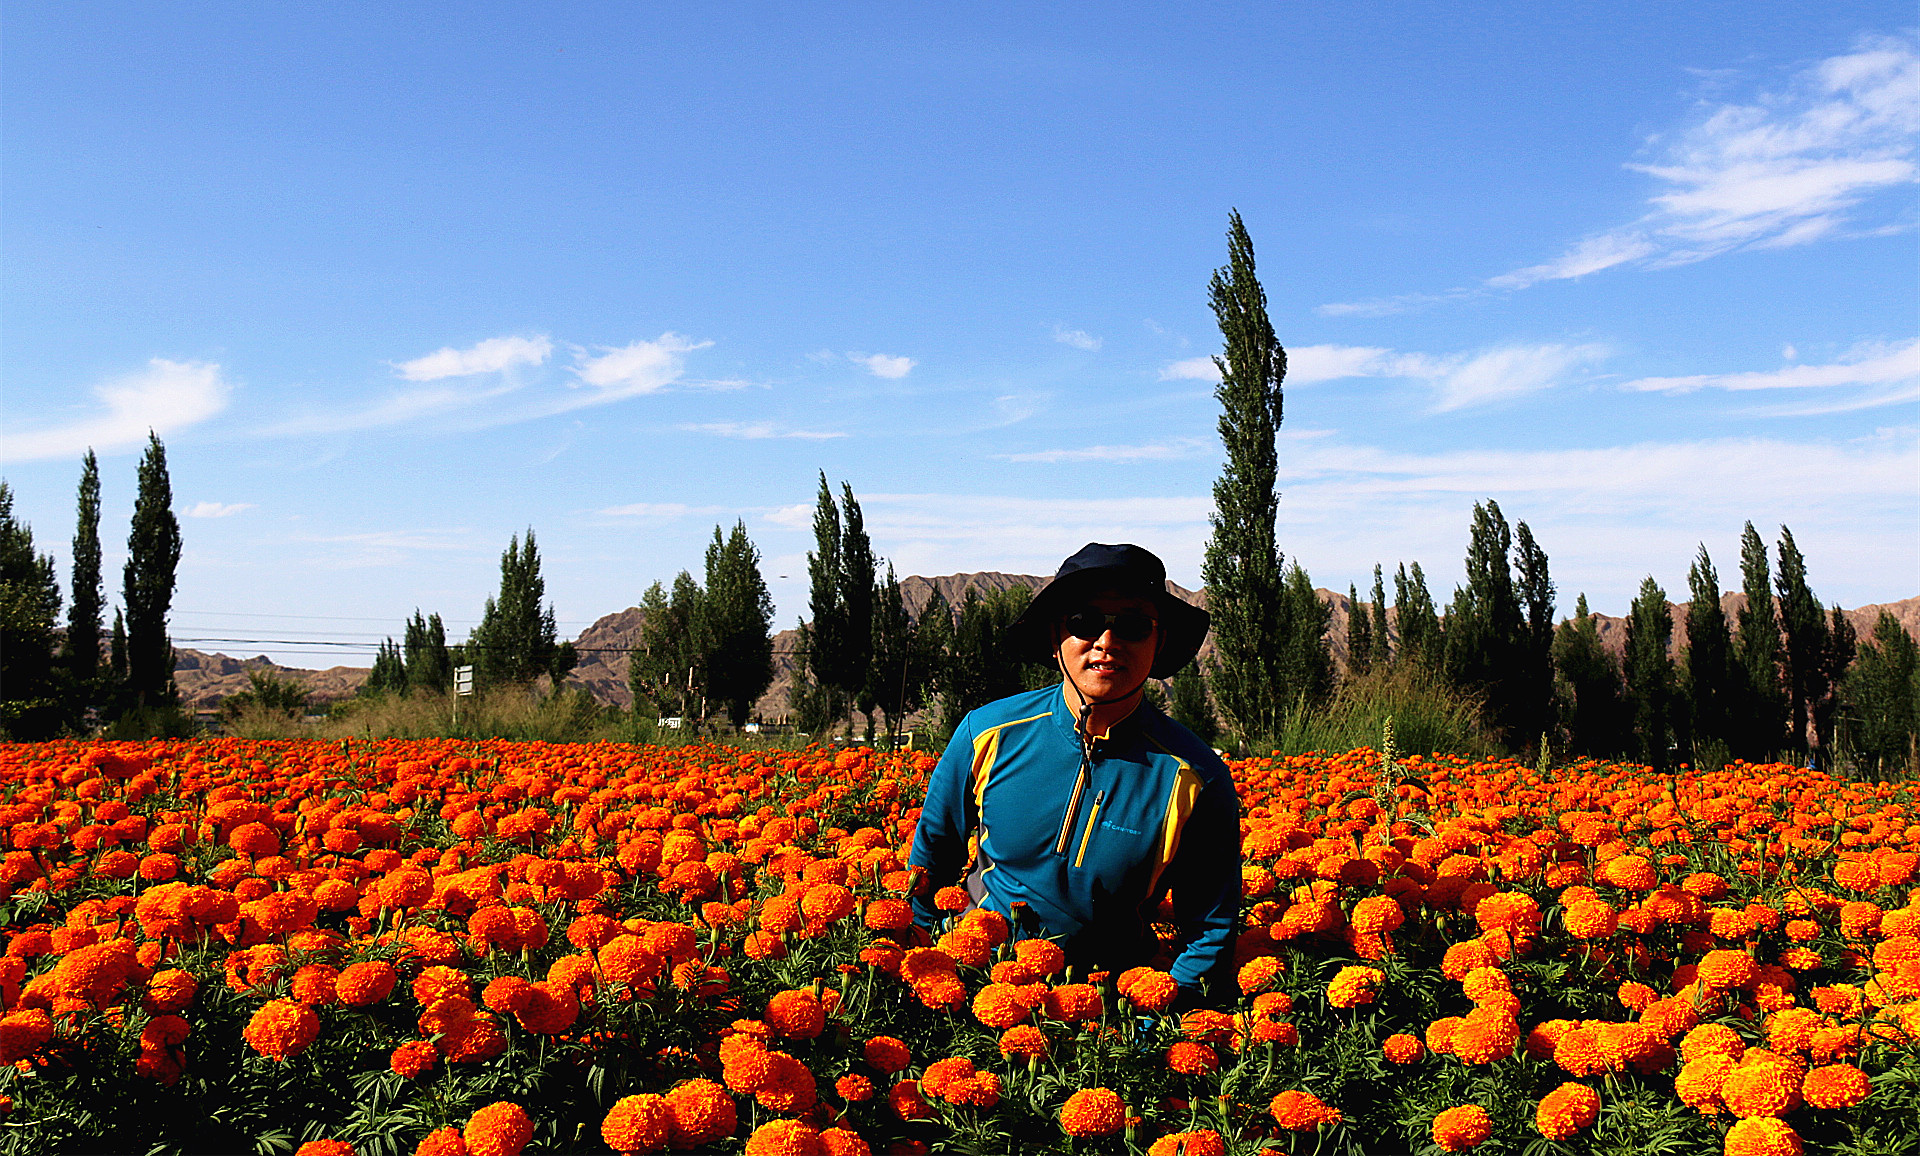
<point>1183,626</point>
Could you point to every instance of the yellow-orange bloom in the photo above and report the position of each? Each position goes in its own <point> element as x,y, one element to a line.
<point>1093,1112</point>
<point>1300,1111</point>
<point>1564,1112</point>
<point>1463,1127</point>
<point>641,1123</point>
<point>1762,1136</point>
<point>282,1029</point>
<point>499,1129</point>
<point>1835,1086</point>
<point>1354,986</point>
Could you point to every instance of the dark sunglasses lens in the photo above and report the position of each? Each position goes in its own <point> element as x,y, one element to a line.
<point>1128,626</point>
<point>1133,626</point>
<point>1087,625</point>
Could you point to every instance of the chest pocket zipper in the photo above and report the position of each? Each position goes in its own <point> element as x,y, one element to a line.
<point>1093,817</point>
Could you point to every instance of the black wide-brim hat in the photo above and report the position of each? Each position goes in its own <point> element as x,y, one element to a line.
<point>1127,569</point>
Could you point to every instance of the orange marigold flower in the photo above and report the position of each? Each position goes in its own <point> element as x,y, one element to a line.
<point>1699,1081</point>
<point>324,1148</point>
<point>1630,872</point>
<point>1727,969</point>
<point>365,984</point>
<point>843,1142</point>
<point>1023,1040</point>
<point>1484,1036</point>
<point>906,1102</point>
<point>413,1058</point>
<point>1762,1136</point>
<point>641,1123</point>
<point>854,1089</point>
<point>886,1054</point>
<point>1259,974</point>
<point>499,1129</point>
<point>282,1029</point>
<point>1462,958</point>
<point>1192,1059</point>
<point>442,1142</point>
<point>1074,1002</point>
<point>1457,1129</point>
<point>889,915</point>
<point>1002,1005</point>
<point>1149,990</point>
<point>1043,955</point>
<point>784,1138</point>
<point>701,1111</point>
<point>1835,1086</point>
<point>1712,1039</point>
<point>1354,986</point>
<point>796,1014</point>
<point>1564,1112</point>
<point>1205,1142</point>
<point>952,899</point>
<point>1093,1112</point>
<point>23,1033</point>
<point>1401,1048</point>
<point>1636,996</point>
<point>1760,1087</point>
<point>1376,915</point>
<point>1299,1111</point>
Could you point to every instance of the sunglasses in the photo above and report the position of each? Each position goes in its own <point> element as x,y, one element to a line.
<point>1128,626</point>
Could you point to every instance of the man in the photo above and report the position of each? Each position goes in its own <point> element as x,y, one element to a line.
<point>1081,801</point>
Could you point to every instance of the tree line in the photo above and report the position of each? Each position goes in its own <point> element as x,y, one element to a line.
<point>1787,677</point>
<point>60,678</point>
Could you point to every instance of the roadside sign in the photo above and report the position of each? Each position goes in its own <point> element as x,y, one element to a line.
<point>463,680</point>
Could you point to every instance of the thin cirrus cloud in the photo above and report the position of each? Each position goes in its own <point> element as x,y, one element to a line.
<point>1153,452</point>
<point>1787,169</point>
<point>1078,338</point>
<point>494,355</point>
<point>884,365</point>
<point>758,431</point>
<point>1875,366</point>
<point>631,370</point>
<point>217,509</point>
<point>164,398</point>
<point>1459,380</point>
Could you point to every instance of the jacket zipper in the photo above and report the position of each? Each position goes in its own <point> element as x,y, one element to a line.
<point>1073,811</point>
<point>1093,817</point>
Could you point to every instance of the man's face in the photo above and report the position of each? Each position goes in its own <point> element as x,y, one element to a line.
<point>1110,666</point>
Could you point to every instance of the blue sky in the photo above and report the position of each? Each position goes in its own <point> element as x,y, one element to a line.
<point>396,282</point>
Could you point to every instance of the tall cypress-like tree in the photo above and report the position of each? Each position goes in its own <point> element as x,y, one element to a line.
<point>1762,710</point>
<point>429,663</point>
<point>858,572</point>
<point>1484,624</point>
<point>516,641</point>
<point>1650,672</point>
<point>1241,569</point>
<point>1588,680</point>
<point>1533,685</point>
<point>823,639</point>
<point>1190,706</point>
<point>900,669</point>
<point>739,623</point>
<point>153,554</point>
<point>389,673</point>
<point>29,607</point>
<point>1382,644</point>
<point>1359,634</point>
<point>1882,698</point>
<point>933,639</point>
<point>1842,646</point>
<point>1709,661</point>
<point>668,668</point>
<point>1306,658</point>
<point>1421,638</point>
<point>85,617</point>
<point>980,668</point>
<point>1803,622</point>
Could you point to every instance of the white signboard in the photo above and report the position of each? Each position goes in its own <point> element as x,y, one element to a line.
<point>463,680</point>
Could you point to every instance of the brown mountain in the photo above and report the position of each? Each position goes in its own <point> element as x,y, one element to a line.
<point>205,680</point>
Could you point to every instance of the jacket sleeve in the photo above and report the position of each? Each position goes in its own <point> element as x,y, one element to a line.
<point>946,819</point>
<point>1204,879</point>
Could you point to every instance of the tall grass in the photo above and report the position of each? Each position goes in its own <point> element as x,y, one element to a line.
<point>1428,716</point>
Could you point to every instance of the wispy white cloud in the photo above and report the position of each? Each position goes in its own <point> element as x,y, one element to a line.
<point>493,355</point>
<point>404,407</point>
<point>1078,338</point>
<point>661,510</point>
<point>166,397</point>
<point>1156,452</point>
<point>1874,365</point>
<point>884,365</point>
<point>1191,369</point>
<point>631,370</point>
<point>1786,169</point>
<point>216,509</point>
<point>758,430</point>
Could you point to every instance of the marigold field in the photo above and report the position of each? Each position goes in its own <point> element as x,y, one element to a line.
<point>446,947</point>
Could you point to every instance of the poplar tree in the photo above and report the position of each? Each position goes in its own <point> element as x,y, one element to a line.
<point>858,572</point>
<point>1533,683</point>
<point>1382,644</point>
<point>1804,625</point>
<point>389,673</point>
<point>668,667</point>
<point>1882,697</point>
<point>1305,664</point>
<point>429,664</point>
<point>1588,681</point>
<point>29,607</point>
<point>1241,570</point>
<point>737,641</point>
<point>84,617</point>
<point>153,554</point>
<point>900,667</point>
<point>1841,649</point>
<point>823,639</point>
<point>1359,634</point>
<point>1709,659</point>
<point>1420,634</point>
<point>516,641</point>
<point>1762,710</point>
<point>1650,672</point>
<point>1483,653</point>
<point>1190,706</point>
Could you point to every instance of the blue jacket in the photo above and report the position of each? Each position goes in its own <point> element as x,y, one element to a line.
<point>1157,813</point>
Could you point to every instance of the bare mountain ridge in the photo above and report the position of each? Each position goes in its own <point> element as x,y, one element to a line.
<point>206,679</point>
